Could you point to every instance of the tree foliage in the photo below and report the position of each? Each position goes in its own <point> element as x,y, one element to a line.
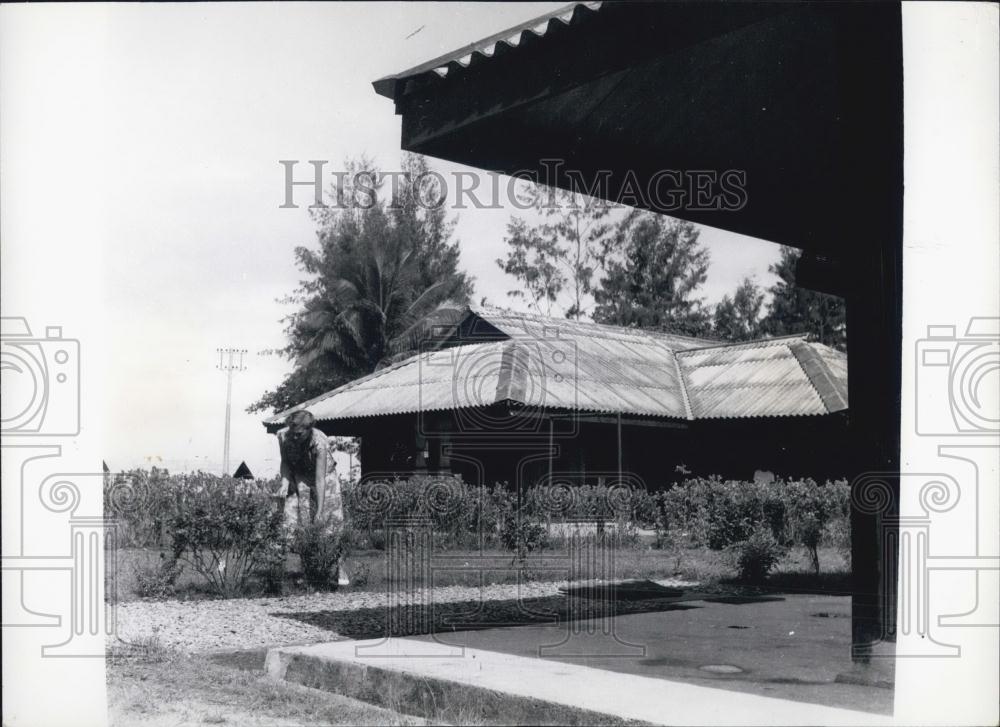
<point>739,318</point>
<point>797,310</point>
<point>654,266</point>
<point>379,267</point>
<point>555,261</point>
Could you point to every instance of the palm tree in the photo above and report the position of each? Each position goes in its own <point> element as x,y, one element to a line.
<point>377,272</point>
<point>373,300</point>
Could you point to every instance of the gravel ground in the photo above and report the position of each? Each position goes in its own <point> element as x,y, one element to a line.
<point>212,625</point>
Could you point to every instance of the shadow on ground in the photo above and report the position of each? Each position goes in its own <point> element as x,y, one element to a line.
<point>572,604</point>
<point>759,640</point>
<point>825,584</point>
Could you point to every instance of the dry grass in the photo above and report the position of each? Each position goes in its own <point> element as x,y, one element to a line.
<point>472,568</point>
<point>149,687</point>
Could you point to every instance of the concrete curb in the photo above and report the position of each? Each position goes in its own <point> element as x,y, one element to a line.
<point>434,699</point>
<point>463,685</point>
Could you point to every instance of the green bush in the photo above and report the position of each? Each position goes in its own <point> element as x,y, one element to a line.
<point>320,546</point>
<point>360,574</point>
<point>141,503</point>
<point>459,514</point>
<point>719,514</point>
<point>818,513</point>
<point>228,530</point>
<point>523,535</point>
<point>491,509</point>
<point>617,511</point>
<point>701,512</point>
<point>225,529</point>
<point>730,511</point>
<point>757,555</point>
<point>271,568</point>
<point>158,582</point>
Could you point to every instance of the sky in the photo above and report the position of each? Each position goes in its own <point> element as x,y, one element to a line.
<point>173,117</point>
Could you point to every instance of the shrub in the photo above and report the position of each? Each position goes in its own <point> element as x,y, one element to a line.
<point>491,508</point>
<point>459,514</point>
<point>272,568</point>
<point>815,510</point>
<point>158,582</point>
<point>757,555</point>
<point>731,511</point>
<point>360,574</point>
<point>141,504</point>
<point>225,529</point>
<point>320,546</point>
<point>523,535</point>
<point>839,536</point>
<point>720,514</point>
<point>616,511</point>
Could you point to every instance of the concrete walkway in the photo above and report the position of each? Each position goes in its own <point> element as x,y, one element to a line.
<point>423,674</point>
<point>792,646</point>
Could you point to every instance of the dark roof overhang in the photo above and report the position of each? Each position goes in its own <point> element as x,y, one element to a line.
<point>791,94</point>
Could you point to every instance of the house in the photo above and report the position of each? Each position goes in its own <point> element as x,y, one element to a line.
<point>499,396</point>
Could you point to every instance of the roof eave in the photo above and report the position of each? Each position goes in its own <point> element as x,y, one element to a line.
<point>388,86</point>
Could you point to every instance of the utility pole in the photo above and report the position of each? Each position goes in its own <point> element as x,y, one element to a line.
<point>230,361</point>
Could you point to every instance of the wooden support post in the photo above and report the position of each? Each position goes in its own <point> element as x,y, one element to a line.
<point>619,428</point>
<point>420,456</point>
<point>444,456</point>
<point>600,520</point>
<point>552,451</point>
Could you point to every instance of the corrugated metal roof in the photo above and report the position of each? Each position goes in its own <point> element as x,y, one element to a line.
<point>497,44</point>
<point>574,365</point>
<point>762,378</point>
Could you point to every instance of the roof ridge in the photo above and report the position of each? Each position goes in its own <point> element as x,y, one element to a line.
<point>682,380</point>
<point>756,343</point>
<point>756,385</point>
<point>819,376</point>
<point>728,364</point>
<point>484,311</point>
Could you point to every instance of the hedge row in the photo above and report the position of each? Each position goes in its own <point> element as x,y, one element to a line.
<point>144,504</point>
<point>698,512</point>
<point>188,512</point>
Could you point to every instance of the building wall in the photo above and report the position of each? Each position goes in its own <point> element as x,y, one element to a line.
<point>586,451</point>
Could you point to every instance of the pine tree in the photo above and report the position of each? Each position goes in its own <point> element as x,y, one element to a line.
<point>797,310</point>
<point>738,318</point>
<point>653,267</point>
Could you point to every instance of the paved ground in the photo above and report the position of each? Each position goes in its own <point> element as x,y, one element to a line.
<point>429,679</point>
<point>791,647</point>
